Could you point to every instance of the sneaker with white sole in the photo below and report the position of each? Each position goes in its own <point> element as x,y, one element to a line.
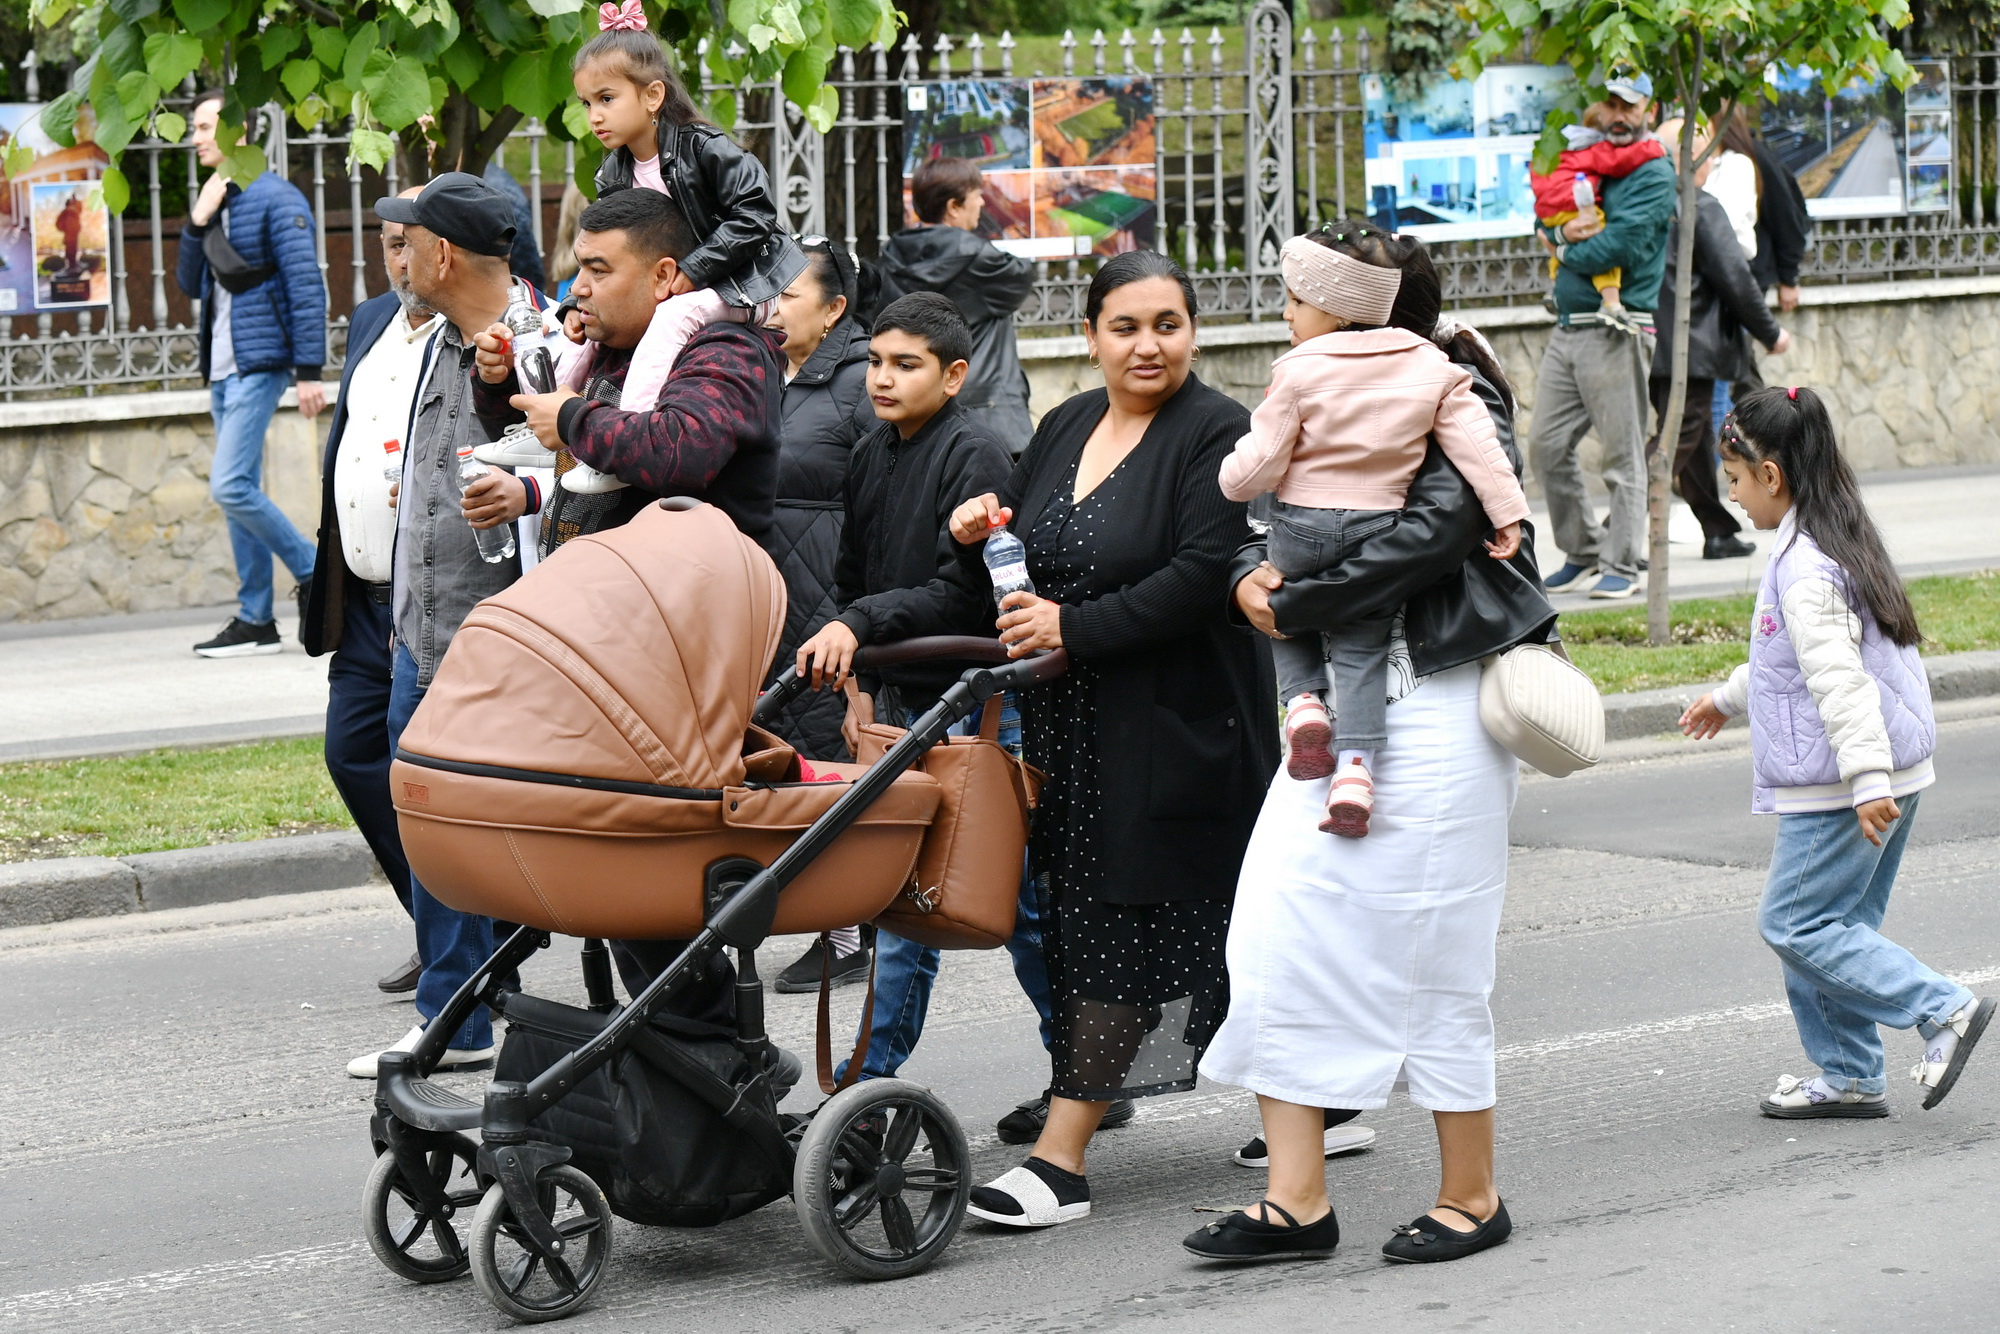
<point>1035,1194</point>
<point>584,480</point>
<point>1614,587</point>
<point>1946,1050</point>
<point>1571,577</point>
<point>1339,1138</point>
<point>454,1058</point>
<point>242,639</point>
<point>1349,802</point>
<point>1814,1099</point>
<point>1308,738</point>
<point>515,449</point>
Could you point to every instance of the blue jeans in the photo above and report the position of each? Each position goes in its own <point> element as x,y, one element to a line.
<point>450,943</point>
<point>905,970</point>
<point>1828,890</point>
<point>241,406</point>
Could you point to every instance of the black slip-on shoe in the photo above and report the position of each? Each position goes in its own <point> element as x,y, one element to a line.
<point>403,979</point>
<point>1727,548</point>
<point>1024,1124</point>
<point>1428,1241</point>
<point>805,972</point>
<point>240,639</point>
<point>1241,1239</point>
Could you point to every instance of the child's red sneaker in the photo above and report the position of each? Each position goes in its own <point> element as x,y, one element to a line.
<point>1349,802</point>
<point>1308,738</point>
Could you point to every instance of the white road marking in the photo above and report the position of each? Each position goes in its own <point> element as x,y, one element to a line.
<point>170,1280</point>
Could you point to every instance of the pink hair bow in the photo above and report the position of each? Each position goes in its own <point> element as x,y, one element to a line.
<point>628,17</point>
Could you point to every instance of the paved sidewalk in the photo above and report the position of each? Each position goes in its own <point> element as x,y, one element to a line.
<point>118,684</point>
<point>1936,521</point>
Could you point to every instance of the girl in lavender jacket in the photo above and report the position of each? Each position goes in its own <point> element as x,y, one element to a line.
<point>1841,737</point>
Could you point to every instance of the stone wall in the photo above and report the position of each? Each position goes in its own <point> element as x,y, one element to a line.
<point>112,516</point>
<point>115,516</point>
<point>1911,383</point>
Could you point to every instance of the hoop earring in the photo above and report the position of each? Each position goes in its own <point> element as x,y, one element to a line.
<point>1094,366</point>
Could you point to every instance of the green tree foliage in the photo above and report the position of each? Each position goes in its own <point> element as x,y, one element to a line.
<point>1425,37</point>
<point>1708,56</point>
<point>1952,27</point>
<point>461,73</point>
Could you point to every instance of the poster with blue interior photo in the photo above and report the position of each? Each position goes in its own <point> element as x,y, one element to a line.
<point>1448,159</point>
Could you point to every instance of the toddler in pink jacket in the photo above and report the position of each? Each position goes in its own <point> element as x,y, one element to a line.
<point>1349,414</point>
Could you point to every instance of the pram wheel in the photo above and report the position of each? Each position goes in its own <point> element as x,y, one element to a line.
<point>882,1178</point>
<point>515,1276</point>
<point>409,1237</point>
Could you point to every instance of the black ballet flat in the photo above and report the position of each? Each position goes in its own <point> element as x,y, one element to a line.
<point>1241,1239</point>
<point>1428,1241</point>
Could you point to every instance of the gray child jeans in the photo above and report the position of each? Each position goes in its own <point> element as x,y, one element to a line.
<point>1355,655</point>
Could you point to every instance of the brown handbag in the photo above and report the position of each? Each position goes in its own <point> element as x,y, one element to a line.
<point>967,883</point>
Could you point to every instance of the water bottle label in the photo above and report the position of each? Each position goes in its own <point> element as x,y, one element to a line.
<point>1014,573</point>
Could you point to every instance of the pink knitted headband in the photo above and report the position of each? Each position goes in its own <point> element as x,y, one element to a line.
<point>1353,289</point>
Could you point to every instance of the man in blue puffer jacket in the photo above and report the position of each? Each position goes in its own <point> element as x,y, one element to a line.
<point>263,320</point>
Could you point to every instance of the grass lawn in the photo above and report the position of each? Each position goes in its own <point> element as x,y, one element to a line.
<point>166,799</point>
<point>1958,613</point>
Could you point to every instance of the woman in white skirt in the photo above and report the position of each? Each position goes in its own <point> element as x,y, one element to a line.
<point>1361,966</point>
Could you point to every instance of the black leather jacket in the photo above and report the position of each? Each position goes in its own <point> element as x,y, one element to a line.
<point>1459,604</point>
<point>745,255</point>
<point>1727,301</point>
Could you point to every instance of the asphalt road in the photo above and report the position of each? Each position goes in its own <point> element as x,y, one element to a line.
<point>182,1151</point>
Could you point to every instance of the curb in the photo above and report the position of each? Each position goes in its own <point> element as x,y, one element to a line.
<point>1644,713</point>
<point>61,888</point>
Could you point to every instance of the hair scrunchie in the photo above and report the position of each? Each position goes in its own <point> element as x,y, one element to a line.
<point>628,17</point>
<point>1339,284</point>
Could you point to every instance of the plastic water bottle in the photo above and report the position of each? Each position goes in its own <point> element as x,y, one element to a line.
<point>496,543</point>
<point>533,365</point>
<point>1007,562</point>
<point>392,450</point>
<point>1586,198</point>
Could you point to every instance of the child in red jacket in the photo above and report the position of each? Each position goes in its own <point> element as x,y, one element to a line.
<point>1595,158</point>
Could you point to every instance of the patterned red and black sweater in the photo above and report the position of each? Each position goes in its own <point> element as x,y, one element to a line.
<point>713,434</point>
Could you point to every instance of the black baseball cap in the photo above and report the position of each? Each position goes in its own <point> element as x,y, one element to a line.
<point>461,208</point>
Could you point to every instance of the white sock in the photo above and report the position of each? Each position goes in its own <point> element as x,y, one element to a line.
<point>846,941</point>
<point>1818,1090</point>
<point>1364,758</point>
<point>1939,1046</point>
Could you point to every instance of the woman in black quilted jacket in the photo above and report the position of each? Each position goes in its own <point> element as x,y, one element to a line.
<point>826,410</point>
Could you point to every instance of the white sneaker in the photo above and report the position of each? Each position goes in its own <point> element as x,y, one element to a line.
<point>516,449</point>
<point>1945,1052</point>
<point>454,1058</point>
<point>585,480</point>
<point>1338,1140</point>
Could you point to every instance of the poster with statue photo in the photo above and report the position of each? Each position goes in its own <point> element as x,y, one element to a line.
<point>55,249</point>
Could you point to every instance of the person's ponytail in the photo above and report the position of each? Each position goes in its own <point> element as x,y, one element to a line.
<point>1790,427</point>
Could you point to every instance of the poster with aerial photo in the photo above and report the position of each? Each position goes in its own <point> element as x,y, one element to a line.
<point>1067,163</point>
<point>1448,159</point>
<point>1927,137</point>
<point>1844,149</point>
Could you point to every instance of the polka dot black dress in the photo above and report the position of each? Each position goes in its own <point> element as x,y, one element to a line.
<point>1139,988</point>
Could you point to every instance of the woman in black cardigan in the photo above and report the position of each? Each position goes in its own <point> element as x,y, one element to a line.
<point>1160,740</point>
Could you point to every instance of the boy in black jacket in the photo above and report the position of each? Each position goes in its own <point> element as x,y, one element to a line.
<point>896,579</point>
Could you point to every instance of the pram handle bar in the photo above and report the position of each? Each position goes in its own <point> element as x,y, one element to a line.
<point>1007,673</point>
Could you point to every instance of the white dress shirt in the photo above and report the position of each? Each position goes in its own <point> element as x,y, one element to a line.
<point>379,396</point>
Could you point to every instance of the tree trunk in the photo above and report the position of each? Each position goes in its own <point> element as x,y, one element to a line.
<point>468,146</point>
<point>1660,465</point>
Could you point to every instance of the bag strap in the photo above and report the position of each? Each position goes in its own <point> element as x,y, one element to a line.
<point>822,1040</point>
<point>989,722</point>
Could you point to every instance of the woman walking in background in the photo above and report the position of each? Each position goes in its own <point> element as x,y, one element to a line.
<point>1158,741</point>
<point>1841,736</point>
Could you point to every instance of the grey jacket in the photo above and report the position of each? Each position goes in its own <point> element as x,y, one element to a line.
<point>1727,301</point>
<point>439,574</point>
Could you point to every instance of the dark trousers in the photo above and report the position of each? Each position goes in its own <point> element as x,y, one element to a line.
<point>1694,457</point>
<point>357,732</point>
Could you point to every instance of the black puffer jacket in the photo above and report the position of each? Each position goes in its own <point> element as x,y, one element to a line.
<point>726,193</point>
<point>826,410</point>
<point>1727,301</point>
<point>1459,604</point>
<point>987,285</point>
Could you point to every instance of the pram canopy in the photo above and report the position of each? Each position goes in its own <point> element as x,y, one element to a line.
<point>585,751</point>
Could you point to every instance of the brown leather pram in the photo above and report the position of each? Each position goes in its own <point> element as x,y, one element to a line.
<point>587,762</point>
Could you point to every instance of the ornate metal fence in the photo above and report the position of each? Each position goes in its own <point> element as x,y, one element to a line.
<point>1254,140</point>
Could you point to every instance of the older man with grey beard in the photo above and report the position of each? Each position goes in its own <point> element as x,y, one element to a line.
<point>346,610</point>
